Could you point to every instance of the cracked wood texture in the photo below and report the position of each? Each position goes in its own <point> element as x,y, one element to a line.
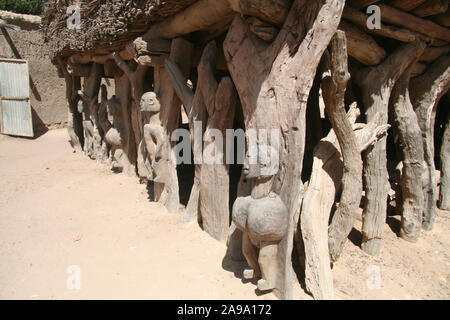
<point>334,87</point>
<point>426,91</point>
<point>407,128</point>
<point>376,84</point>
<point>320,194</point>
<point>221,101</point>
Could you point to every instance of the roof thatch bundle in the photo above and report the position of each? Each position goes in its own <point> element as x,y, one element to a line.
<point>108,24</point>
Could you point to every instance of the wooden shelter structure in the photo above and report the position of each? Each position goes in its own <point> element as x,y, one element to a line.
<point>381,68</point>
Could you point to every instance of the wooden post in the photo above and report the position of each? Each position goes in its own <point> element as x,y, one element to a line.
<point>180,53</point>
<point>273,82</point>
<point>407,128</point>
<point>426,91</point>
<point>75,118</point>
<point>333,88</point>
<point>376,84</point>
<point>444,198</point>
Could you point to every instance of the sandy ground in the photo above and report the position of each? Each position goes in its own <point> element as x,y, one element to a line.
<point>59,209</point>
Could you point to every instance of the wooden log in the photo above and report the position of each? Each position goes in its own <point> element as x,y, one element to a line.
<point>269,99</point>
<point>426,91</point>
<point>202,15</point>
<point>432,53</point>
<point>271,11</point>
<point>319,198</point>
<point>152,61</point>
<point>333,89</point>
<point>444,194</point>
<point>140,47</point>
<point>406,127</point>
<point>362,46</point>
<point>409,21</point>
<point>443,19</point>
<point>262,29</point>
<point>221,101</point>
<point>431,7</point>
<point>360,19</point>
<point>405,5</point>
<point>359,4</point>
<point>24,21</point>
<point>376,84</point>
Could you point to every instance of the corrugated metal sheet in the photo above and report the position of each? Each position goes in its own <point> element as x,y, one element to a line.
<point>14,79</point>
<point>16,119</point>
<point>14,83</point>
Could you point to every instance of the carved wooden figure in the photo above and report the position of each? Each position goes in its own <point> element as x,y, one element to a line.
<point>264,223</point>
<point>136,78</point>
<point>273,82</point>
<point>159,152</point>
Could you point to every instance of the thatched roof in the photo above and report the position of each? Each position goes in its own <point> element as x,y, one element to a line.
<point>108,24</point>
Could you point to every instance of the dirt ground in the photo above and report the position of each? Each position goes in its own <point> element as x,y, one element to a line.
<point>59,209</point>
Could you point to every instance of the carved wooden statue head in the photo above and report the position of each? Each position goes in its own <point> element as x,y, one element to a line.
<point>150,102</point>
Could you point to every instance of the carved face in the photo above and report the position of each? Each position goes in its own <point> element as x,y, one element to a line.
<point>150,102</point>
<point>251,167</point>
<point>261,161</point>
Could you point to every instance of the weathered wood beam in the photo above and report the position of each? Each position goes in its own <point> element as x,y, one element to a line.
<point>426,91</point>
<point>432,53</point>
<point>359,4</point>
<point>271,11</point>
<point>362,46</point>
<point>376,84</point>
<point>406,5</point>
<point>202,15</point>
<point>409,21</point>
<point>320,195</point>
<point>24,21</point>
<point>430,8</point>
<point>262,29</point>
<point>152,61</point>
<point>406,127</point>
<point>443,19</point>
<point>360,19</point>
<point>333,88</point>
